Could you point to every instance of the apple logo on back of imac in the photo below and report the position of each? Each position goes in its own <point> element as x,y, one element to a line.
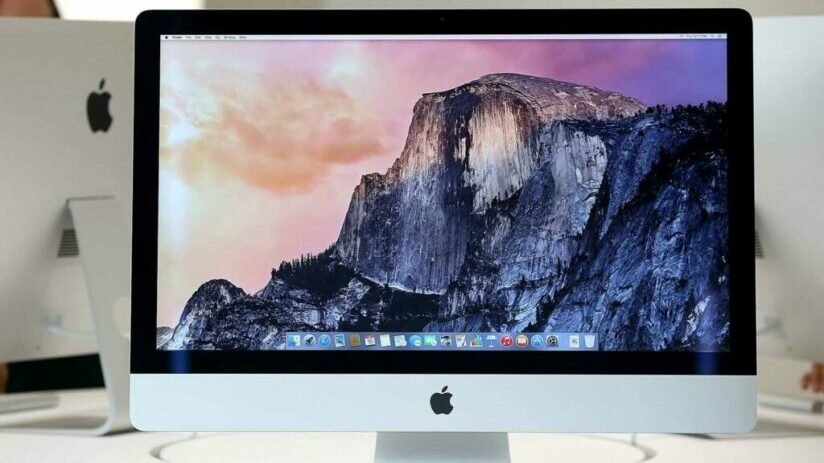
<point>441,402</point>
<point>97,109</point>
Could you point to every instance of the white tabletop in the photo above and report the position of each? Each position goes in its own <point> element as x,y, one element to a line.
<point>787,446</point>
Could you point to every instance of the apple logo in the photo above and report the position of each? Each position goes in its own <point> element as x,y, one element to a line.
<point>441,402</point>
<point>97,109</point>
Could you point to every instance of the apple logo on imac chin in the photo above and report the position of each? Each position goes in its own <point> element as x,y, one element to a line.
<point>441,402</point>
<point>97,109</point>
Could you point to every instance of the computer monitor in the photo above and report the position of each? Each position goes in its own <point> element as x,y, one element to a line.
<point>443,221</point>
<point>65,132</point>
<point>789,159</point>
<point>66,195</point>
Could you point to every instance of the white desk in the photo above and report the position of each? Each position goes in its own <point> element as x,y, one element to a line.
<point>359,447</point>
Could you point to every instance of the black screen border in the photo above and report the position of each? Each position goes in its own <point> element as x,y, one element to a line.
<point>737,24</point>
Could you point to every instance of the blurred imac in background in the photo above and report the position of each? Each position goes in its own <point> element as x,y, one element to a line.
<point>789,211</point>
<point>65,164</point>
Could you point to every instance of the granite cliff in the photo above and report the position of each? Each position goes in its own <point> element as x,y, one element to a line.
<point>466,148</point>
<point>518,203</point>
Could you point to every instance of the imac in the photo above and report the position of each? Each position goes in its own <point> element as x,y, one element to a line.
<point>443,225</point>
<point>788,156</point>
<point>65,165</point>
<point>789,218</point>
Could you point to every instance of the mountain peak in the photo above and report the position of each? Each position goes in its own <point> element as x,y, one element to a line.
<point>551,99</point>
<point>217,291</point>
<point>506,77</point>
<point>225,287</point>
<point>466,147</point>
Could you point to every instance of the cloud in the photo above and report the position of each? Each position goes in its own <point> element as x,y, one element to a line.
<point>280,132</point>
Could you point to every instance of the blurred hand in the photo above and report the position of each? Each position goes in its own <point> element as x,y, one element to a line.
<point>813,380</point>
<point>28,8</point>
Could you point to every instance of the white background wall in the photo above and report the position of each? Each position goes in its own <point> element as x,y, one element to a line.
<point>116,10</point>
<point>125,10</point>
<point>755,7</point>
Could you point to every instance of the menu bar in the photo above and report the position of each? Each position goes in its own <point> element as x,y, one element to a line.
<point>247,37</point>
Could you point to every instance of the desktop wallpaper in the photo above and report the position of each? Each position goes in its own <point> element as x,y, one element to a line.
<point>443,186</point>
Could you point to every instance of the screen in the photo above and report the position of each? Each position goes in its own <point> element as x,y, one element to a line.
<point>512,193</point>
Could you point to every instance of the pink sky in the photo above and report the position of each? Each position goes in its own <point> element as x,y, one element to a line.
<point>262,142</point>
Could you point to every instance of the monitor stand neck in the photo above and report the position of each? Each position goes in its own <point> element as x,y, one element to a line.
<point>442,447</point>
<point>103,240</point>
<point>105,252</point>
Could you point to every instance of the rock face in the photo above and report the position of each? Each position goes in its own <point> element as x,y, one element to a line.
<point>466,148</point>
<point>633,249</point>
<point>204,305</point>
<point>651,268</point>
<point>163,335</point>
<point>518,204</point>
<point>318,294</point>
<point>222,316</point>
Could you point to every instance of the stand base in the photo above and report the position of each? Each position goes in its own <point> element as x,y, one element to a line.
<point>320,447</point>
<point>12,403</point>
<point>442,447</point>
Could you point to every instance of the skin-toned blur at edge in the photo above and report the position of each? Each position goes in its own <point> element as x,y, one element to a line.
<point>28,8</point>
<point>813,380</point>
